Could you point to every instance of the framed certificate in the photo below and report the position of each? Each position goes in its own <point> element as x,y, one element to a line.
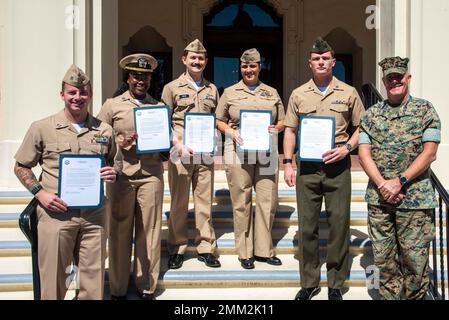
<point>199,132</point>
<point>316,135</point>
<point>153,127</point>
<point>254,130</point>
<point>79,181</point>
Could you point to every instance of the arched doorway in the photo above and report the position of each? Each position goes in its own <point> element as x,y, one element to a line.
<point>234,26</point>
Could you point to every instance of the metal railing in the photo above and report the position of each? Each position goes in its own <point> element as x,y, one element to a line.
<point>440,241</point>
<point>28,225</point>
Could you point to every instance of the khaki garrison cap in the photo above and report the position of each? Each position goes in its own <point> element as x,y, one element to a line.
<point>394,65</point>
<point>76,77</point>
<point>321,46</point>
<point>139,62</point>
<point>195,46</point>
<point>250,55</point>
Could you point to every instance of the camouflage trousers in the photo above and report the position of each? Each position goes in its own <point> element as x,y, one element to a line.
<point>401,241</point>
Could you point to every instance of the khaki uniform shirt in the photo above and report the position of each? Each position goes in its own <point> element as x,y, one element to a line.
<point>48,138</point>
<point>397,136</point>
<point>183,97</point>
<point>341,102</point>
<point>239,97</point>
<point>119,113</point>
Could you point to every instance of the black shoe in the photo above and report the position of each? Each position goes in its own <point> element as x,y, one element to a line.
<point>209,259</point>
<point>247,263</point>
<point>307,293</point>
<point>146,296</point>
<point>334,294</point>
<point>175,261</point>
<point>116,298</point>
<point>275,261</point>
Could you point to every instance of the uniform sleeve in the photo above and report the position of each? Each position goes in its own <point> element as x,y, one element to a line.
<point>105,113</point>
<point>217,97</point>
<point>222,112</point>
<point>364,138</point>
<point>167,98</point>
<point>30,151</point>
<point>115,156</point>
<point>432,123</point>
<point>280,108</point>
<point>291,118</point>
<point>358,110</point>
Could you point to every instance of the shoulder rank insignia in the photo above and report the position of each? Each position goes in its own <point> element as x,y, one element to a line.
<point>100,139</point>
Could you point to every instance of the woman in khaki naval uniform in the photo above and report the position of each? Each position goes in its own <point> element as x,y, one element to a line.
<point>137,196</point>
<point>253,239</point>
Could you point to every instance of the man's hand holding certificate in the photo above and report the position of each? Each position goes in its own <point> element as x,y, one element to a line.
<point>315,137</point>
<point>152,126</point>
<point>254,130</point>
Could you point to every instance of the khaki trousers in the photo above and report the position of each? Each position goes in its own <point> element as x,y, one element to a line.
<point>136,205</point>
<point>201,177</point>
<point>333,183</point>
<point>72,240</point>
<point>252,232</point>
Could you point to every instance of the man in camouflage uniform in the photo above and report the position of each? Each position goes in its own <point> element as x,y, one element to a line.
<point>398,141</point>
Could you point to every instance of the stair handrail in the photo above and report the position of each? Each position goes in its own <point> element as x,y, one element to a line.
<point>28,226</point>
<point>372,96</point>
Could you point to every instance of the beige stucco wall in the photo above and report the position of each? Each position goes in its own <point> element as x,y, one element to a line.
<point>36,49</point>
<point>321,18</point>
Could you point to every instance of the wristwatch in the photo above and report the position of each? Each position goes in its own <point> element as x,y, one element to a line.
<point>36,188</point>
<point>349,147</point>
<point>403,180</point>
<point>285,161</point>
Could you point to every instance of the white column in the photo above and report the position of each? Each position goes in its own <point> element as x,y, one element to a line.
<point>429,23</point>
<point>105,51</point>
<point>39,41</point>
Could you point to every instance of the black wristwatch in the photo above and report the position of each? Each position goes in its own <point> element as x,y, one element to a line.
<point>285,161</point>
<point>36,188</point>
<point>403,180</point>
<point>349,147</point>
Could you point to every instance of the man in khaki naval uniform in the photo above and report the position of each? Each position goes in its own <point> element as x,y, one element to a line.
<point>253,239</point>
<point>323,95</point>
<point>190,93</point>
<point>67,235</point>
<point>137,197</point>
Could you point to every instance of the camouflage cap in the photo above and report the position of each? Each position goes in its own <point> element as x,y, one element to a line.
<point>250,55</point>
<point>321,46</point>
<point>76,77</point>
<point>394,65</point>
<point>139,62</point>
<point>195,46</point>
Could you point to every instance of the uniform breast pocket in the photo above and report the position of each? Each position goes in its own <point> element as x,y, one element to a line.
<point>54,150</point>
<point>306,110</point>
<point>339,108</point>
<point>208,105</point>
<point>99,149</point>
<point>184,105</point>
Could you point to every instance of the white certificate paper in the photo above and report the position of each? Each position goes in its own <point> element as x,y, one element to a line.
<point>80,184</point>
<point>315,137</point>
<point>254,130</point>
<point>199,132</point>
<point>152,125</point>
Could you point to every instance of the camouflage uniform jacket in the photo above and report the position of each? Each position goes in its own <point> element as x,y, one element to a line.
<point>397,136</point>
